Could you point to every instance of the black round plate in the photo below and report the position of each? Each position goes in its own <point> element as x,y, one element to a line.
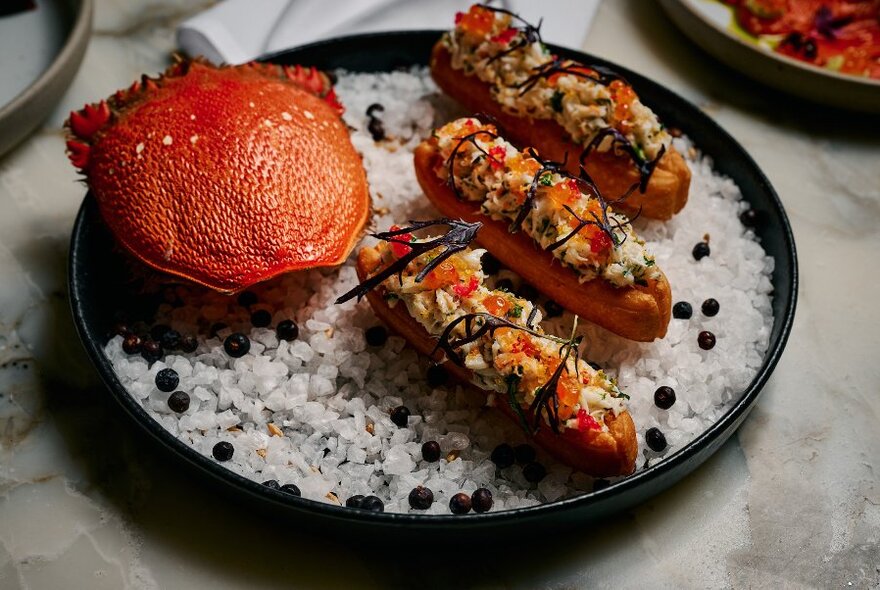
<point>96,283</point>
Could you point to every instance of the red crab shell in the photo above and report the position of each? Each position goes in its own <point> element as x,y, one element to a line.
<point>224,176</point>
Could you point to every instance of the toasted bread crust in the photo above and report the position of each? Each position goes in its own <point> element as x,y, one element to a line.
<point>665,195</point>
<point>597,453</point>
<point>637,313</point>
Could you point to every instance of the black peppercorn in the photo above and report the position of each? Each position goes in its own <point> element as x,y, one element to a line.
<point>481,500</point>
<point>151,351</point>
<point>189,344</point>
<point>400,416</point>
<point>178,402</point>
<point>131,344</point>
<point>373,504</point>
<point>706,340</point>
<point>701,250</point>
<point>157,331</point>
<point>682,310</point>
<point>170,339</point>
<point>431,451</point>
<point>664,397</point>
<point>437,376</point>
<point>167,380</point>
<point>525,453</point>
<point>287,330</point>
<point>421,498</point>
<point>272,484</point>
<point>291,489</point>
<point>460,503</point>
<point>710,307</point>
<point>223,451</point>
<point>261,318</point>
<point>247,298</point>
<point>655,439</point>
<point>355,501</point>
<point>236,345</point>
<point>534,472</point>
<point>376,336</point>
<point>749,218</point>
<point>503,456</point>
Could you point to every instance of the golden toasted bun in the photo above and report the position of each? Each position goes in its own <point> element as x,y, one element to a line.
<point>667,190</point>
<point>600,454</point>
<point>637,313</point>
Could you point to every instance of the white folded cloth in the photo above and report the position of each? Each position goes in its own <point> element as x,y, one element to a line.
<point>236,31</point>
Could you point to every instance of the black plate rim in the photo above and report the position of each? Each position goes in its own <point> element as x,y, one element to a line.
<point>660,472</point>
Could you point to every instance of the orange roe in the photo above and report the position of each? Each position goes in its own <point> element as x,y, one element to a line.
<point>477,21</point>
<point>444,274</point>
<point>496,305</point>
<point>623,96</point>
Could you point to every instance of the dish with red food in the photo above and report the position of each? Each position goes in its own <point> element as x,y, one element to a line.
<point>824,50</point>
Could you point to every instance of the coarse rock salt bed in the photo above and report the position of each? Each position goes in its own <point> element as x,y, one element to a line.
<point>315,411</point>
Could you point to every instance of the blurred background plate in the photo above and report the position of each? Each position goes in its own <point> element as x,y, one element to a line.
<point>709,24</point>
<point>41,48</point>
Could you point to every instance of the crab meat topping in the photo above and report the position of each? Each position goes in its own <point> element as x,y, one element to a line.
<point>489,170</point>
<point>491,45</point>
<point>508,360</point>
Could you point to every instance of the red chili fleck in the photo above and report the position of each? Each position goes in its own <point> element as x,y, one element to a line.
<point>600,242</point>
<point>497,154</point>
<point>504,36</point>
<point>400,250</point>
<point>587,422</point>
<point>463,290</point>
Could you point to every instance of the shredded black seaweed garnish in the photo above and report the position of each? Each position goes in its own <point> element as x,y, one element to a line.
<point>485,323</point>
<point>618,140</point>
<point>450,162</point>
<point>599,74</point>
<point>603,222</point>
<point>609,226</point>
<point>546,166</point>
<point>459,236</point>
<point>529,32</point>
<point>547,396</point>
<point>479,324</point>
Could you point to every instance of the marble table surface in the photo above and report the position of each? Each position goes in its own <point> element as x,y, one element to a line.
<point>792,500</point>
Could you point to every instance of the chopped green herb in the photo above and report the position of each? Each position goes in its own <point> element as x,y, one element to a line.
<point>546,179</point>
<point>516,312</point>
<point>640,152</point>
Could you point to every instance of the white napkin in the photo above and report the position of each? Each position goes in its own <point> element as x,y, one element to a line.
<point>236,31</point>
